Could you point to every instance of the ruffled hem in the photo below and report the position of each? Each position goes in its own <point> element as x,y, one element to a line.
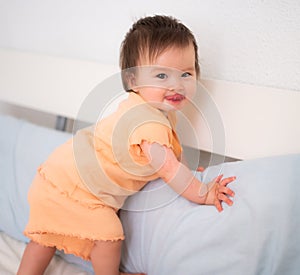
<point>89,242</point>
<point>91,203</point>
<point>51,223</point>
<point>27,233</point>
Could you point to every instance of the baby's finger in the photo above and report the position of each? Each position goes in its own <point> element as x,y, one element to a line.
<point>218,205</point>
<point>200,169</point>
<point>226,190</point>
<point>224,198</point>
<point>225,181</point>
<point>217,179</point>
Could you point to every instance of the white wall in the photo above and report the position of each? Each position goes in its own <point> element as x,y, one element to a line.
<point>253,41</point>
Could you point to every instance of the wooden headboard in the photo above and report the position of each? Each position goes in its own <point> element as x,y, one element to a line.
<point>257,121</point>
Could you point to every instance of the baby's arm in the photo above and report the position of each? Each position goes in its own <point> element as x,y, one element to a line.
<point>182,180</point>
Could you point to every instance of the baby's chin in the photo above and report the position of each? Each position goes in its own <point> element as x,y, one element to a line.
<point>175,105</point>
<point>166,106</point>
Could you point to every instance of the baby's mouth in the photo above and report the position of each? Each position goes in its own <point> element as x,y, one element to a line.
<point>175,97</point>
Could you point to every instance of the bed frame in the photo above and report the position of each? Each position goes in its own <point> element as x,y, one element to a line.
<point>257,121</point>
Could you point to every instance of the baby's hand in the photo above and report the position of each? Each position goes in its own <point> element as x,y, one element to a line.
<point>218,192</point>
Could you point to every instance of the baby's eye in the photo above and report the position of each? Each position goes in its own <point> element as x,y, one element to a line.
<point>162,76</point>
<point>186,74</point>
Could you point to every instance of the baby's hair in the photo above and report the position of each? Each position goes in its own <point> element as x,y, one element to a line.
<point>150,36</point>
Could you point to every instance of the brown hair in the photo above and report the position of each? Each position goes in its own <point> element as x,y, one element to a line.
<point>152,35</point>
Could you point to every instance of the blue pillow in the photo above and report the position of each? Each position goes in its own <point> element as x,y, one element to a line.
<point>23,147</point>
<point>259,234</point>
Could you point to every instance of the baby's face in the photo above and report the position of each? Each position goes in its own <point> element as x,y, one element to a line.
<point>169,81</point>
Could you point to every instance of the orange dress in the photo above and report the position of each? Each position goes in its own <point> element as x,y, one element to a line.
<point>78,190</point>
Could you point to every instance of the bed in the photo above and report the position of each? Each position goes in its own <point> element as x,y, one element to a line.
<point>166,234</point>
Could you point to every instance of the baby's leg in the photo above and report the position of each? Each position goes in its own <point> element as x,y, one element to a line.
<point>106,257</point>
<point>35,259</point>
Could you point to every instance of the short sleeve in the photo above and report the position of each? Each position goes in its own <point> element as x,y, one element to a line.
<point>152,132</point>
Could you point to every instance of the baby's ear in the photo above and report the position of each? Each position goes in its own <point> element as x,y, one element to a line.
<point>130,80</point>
